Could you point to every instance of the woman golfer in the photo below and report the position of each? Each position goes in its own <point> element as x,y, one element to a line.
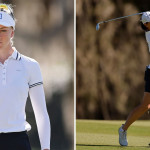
<point>19,75</point>
<point>145,104</point>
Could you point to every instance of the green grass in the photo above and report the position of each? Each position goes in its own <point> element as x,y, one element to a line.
<point>103,135</point>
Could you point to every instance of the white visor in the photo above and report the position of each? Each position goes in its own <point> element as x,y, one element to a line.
<point>6,20</point>
<point>145,17</point>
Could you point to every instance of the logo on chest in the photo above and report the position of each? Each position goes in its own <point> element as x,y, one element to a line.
<point>18,70</point>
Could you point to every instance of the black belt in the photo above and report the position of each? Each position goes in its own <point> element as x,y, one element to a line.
<point>13,133</point>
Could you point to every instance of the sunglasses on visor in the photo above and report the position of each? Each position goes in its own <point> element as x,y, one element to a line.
<point>6,9</point>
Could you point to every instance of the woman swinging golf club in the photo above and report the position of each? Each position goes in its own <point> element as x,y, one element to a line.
<point>19,75</point>
<point>145,104</point>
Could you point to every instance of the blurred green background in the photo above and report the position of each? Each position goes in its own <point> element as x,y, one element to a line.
<point>110,63</point>
<point>44,31</point>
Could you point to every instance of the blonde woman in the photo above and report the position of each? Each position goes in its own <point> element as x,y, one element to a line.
<point>19,75</point>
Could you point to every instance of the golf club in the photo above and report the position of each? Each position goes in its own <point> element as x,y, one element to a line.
<point>98,24</point>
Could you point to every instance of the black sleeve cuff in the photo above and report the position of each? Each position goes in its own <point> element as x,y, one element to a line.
<point>35,84</point>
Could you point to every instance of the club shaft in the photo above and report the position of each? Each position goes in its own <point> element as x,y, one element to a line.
<point>119,18</point>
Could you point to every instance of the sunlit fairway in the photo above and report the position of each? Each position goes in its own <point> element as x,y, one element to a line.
<point>103,135</point>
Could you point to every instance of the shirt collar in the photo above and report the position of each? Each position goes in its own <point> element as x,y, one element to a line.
<point>16,55</point>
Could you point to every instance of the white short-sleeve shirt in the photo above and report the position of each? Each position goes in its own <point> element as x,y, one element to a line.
<point>17,75</point>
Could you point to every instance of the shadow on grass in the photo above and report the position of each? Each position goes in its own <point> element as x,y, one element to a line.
<point>111,146</point>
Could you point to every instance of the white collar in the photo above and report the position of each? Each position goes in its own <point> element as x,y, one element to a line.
<point>16,55</point>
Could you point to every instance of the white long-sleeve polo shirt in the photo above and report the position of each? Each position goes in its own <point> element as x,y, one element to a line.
<point>20,75</point>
